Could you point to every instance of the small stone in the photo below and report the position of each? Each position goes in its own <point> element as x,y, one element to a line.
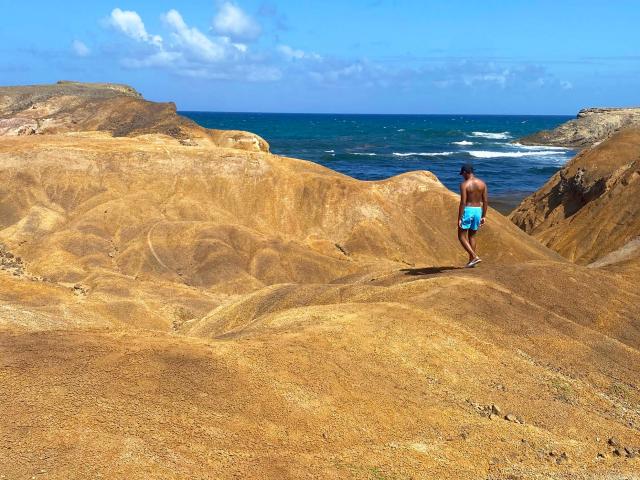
<point>617,452</point>
<point>510,417</point>
<point>493,417</point>
<point>601,455</point>
<point>495,409</point>
<point>614,442</point>
<point>563,457</point>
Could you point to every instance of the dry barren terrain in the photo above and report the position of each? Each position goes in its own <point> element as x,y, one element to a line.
<point>180,303</point>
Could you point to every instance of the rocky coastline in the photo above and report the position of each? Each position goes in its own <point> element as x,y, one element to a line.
<point>590,127</point>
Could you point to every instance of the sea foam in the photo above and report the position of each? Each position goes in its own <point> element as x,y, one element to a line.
<point>423,154</point>
<point>539,147</point>
<point>491,154</point>
<point>463,143</point>
<point>491,135</point>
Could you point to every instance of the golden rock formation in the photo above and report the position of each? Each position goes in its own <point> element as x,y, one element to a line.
<point>588,211</point>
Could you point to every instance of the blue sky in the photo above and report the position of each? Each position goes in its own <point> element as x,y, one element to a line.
<point>358,56</point>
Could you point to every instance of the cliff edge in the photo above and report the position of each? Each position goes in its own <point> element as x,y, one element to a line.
<point>589,209</point>
<point>118,109</point>
<point>592,125</point>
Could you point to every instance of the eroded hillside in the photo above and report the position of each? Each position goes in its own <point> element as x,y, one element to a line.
<point>589,209</point>
<point>180,309</point>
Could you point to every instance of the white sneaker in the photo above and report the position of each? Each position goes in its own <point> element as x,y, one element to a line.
<point>473,262</point>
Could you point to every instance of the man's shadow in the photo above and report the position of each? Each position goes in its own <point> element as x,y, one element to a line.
<point>428,270</point>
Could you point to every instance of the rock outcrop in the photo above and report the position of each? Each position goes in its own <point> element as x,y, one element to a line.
<point>592,125</point>
<point>117,109</point>
<point>589,209</point>
<point>173,306</point>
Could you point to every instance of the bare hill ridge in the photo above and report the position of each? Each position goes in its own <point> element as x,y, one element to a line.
<point>181,309</point>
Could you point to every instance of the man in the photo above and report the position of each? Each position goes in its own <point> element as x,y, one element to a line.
<point>472,212</point>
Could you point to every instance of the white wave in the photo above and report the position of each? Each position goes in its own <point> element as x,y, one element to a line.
<point>463,142</point>
<point>401,130</point>
<point>538,147</point>
<point>490,154</point>
<point>423,154</point>
<point>492,135</point>
<point>329,151</point>
<point>364,154</point>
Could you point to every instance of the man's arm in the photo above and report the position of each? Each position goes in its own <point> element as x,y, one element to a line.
<point>463,202</point>
<point>485,204</point>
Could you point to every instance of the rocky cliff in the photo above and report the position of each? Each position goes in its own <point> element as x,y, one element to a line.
<point>589,209</point>
<point>117,109</point>
<point>592,125</point>
<point>185,309</point>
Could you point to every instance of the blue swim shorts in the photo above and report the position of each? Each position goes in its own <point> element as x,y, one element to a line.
<point>471,218</point>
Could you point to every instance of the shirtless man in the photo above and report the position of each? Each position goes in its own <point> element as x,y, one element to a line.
<point>472,212</point>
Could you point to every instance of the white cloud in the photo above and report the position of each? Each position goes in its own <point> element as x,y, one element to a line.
<point>566,85</point>
<point>241,47</point>
<point>233,22</point>
<point>194,40</point>
<point>80,49</point>
<point>159,59</point>
<point>189,52</point>
<point>362,73</point>
<point>296,54</point>
<point>251,73</point>
<point>130,23</point>
<point>499,78</point>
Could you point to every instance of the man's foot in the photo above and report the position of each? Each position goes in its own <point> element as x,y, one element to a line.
<point>473,262</point>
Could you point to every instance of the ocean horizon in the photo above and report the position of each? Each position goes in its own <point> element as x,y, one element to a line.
<point>379,146</point>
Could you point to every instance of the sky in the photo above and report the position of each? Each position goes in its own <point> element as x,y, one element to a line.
<point>344,56</point>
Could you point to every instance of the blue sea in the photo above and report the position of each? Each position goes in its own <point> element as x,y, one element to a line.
<point>373,147</point>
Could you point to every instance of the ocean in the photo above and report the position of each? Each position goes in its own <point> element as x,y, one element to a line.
<point>374,147</point>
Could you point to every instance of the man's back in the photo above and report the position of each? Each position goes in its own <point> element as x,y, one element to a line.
<point>475,191</point>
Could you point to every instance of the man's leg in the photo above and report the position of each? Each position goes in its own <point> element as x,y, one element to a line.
<point>464,241</point>
<point>472,241</point>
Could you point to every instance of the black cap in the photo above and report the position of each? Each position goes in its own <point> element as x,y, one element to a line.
<point>466,168</point>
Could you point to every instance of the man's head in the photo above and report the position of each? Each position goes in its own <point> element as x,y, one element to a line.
<point>466,171</point>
